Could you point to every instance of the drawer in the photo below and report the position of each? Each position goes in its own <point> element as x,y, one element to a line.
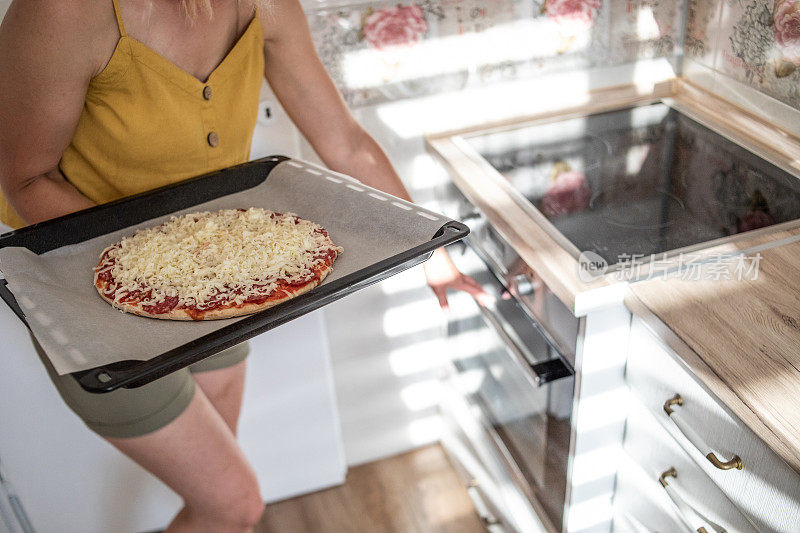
<point>690,499</point>
<point>477,461</point>
<point>638,503</point>
<point>766,489</point>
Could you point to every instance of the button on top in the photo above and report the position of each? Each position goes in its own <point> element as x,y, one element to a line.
<point>213,139</point>
<point>207,92</point>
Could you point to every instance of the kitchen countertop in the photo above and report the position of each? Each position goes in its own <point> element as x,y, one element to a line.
<point>740,337</point>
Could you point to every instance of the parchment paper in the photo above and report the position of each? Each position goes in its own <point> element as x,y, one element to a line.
<point>79,330</point>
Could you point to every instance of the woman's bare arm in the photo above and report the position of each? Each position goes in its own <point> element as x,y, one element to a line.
<point>305,90</point>
<point>49,50</point>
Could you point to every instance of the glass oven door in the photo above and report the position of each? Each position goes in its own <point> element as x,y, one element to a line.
<point>517,383</point>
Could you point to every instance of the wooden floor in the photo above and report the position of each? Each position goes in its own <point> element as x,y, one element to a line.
<point>415,492</point>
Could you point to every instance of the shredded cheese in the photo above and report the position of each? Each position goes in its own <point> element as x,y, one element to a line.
<point>201,257</point>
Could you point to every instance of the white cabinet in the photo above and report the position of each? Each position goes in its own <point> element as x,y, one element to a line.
<point>687,499</point>
<point>765,489</point>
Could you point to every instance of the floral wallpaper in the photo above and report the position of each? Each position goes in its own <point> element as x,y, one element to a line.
<point>377,51</point>
<point>756,42</point>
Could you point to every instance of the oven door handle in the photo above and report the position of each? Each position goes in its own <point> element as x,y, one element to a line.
<point>495,266</point>
<point>543,372</point>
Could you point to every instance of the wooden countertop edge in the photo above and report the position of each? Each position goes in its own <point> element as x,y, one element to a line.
<point>788,451</point>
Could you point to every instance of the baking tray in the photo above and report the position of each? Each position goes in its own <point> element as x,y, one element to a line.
<point>81,227</point>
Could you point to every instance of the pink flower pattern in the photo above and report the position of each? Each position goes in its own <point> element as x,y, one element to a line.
<point>583,11</point>
<point>567,194</point>
<point>786,25</point>
<point>395,26</point>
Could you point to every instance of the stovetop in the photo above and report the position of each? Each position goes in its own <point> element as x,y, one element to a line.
<point>640,181</point>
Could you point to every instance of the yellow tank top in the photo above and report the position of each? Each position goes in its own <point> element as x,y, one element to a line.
<point>147,123</point>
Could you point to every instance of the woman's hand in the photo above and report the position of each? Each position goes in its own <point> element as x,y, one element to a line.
<point>443,274</point>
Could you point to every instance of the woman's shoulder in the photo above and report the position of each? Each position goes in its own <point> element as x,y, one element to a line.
<point>279,17</point>
<point>85,28</point>
<point>77,16</point>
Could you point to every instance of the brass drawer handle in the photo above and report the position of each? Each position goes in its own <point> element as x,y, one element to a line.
<point>688,514</point>
<point>664,475</point>
<point>478,500</point>
<point>675,400</point>
<point>734,462</point>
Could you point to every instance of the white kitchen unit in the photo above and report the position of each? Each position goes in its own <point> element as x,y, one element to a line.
<point>575,205</point>
<point>69,479</point>
<point>676,423</point>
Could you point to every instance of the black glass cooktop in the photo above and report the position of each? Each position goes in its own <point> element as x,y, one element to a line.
<point>640,181</point>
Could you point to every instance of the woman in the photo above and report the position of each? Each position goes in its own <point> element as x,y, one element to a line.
<point>105,98</point>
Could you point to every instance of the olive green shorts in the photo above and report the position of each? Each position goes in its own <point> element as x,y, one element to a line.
<point>127,413</point>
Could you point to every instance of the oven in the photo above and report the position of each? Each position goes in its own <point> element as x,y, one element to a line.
<point>509,387</point>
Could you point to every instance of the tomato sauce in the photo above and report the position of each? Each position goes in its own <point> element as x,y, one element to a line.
<point>167,305</point>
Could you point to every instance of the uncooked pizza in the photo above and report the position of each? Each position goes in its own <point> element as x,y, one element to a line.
<point>211,265</point>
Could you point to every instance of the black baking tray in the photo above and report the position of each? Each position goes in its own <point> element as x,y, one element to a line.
<point>106,218</point>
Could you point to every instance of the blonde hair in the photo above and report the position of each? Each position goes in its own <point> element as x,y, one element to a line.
<point>194,8</point>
